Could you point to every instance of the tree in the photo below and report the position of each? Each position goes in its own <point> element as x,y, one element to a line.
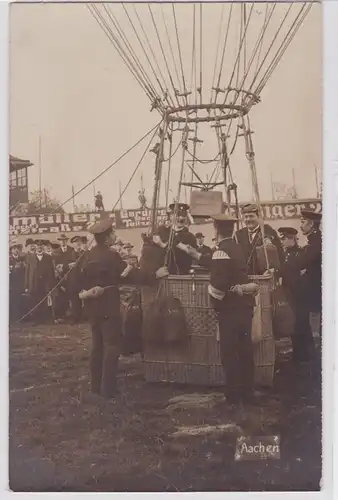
<point>41,202</point>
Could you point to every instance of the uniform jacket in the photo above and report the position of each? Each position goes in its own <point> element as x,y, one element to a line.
<point>39,275</point>
<point>227,268</point>
<point>248,247</point>
<point>310,261</point>
<point>104,267</point>
<point>179,262</point>
<point>294,281</point>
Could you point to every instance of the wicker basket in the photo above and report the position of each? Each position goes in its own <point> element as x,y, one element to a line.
<point>199,362</point>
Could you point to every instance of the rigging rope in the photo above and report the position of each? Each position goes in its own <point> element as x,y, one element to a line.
<point>201,53</point>
<point>55,211</point>
<point>171,48</point>
<point>164,56</point>
<point>81,258</point>
<point>129,46</point>
<point>106,29</point>
<point>180,53</point>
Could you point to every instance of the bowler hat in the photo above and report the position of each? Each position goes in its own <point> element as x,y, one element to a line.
<point>63,237</point>
<point>74,239</point>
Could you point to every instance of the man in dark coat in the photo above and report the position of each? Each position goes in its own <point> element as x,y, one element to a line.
<point>294,283</point>
<point>84,243</point>
<point>234,308</point>
<point>73,280</point>
<point>250,239</point>
<point>64,258</point>
<point>102,272</point>
<point>39,280</point>
<point>16,282</point>
<point>30,245</point>
<point>179,262</point>
<point>310,261</point>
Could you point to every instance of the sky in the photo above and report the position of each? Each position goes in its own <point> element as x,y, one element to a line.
<point>70,88</point>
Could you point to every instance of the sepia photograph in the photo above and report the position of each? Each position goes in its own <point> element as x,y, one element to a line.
<point>165,246</point>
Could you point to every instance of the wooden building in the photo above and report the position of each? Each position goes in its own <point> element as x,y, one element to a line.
<point>18,180</point>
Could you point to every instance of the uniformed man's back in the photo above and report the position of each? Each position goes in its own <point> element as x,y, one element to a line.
<point>228,268</point>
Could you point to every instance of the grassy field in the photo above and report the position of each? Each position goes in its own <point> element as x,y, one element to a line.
<point>60,440</point>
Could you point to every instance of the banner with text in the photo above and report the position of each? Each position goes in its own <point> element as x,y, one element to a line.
<point>123,219</point>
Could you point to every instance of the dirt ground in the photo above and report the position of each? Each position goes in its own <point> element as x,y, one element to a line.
<point>60,440</point>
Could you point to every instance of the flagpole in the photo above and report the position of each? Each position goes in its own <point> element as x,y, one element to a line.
<point>272,188</point>
<point>316,178</point>
<point>294,183</point>
<point>40,173</point>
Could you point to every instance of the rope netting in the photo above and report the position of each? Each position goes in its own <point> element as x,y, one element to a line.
<point>177,59</point>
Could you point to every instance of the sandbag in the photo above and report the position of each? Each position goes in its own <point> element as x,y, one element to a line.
<point>283,320</point>
<point>175,327</point>
<point>132,325</point>
<point>273,258</point>
<point>164,322</point>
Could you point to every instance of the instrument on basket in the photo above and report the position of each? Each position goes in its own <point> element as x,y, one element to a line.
<point>245,289</point>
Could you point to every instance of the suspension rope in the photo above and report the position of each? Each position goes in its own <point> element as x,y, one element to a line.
<point>164,89</point>
<point>170,47</point>
<point>193,56</point>
<point>105,28</point>
<point>224,49</point>
<point>180,53</point>
<point>271,45</point>
<point>201,53</point>
<point>163,53</point>
<point>203,161</point>
<point>291,34</point>
<point>129,46</point>
<point>213,83</point>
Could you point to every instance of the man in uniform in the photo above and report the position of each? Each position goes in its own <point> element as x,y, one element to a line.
<point>179,262</point>
<point>102,272</point>
<point>201,247</point>
<point>295,286</point>
<point>128,256</point>
<point>234,308</point>
<point>310,260</point>
<point>250,238</point>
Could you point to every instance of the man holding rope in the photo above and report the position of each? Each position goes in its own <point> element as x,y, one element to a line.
<point>102,272</point>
